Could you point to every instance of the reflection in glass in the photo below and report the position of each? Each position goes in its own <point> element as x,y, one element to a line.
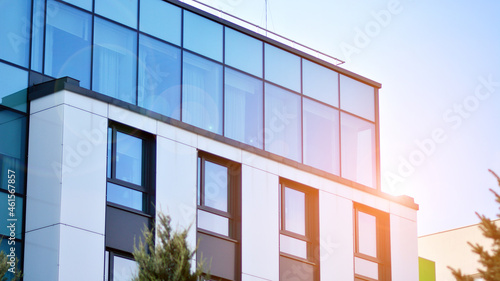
<point>67,45</point>
<point>37,35</point>
<point>321,136</point>
<point>243,52</point>
<point>14,83</point>
<point>243,108</point>
<point>114,68</point>
<point>85,4</point>
<point>282,67</point>
<point>159,77</point>
<point>216,186</point>
<point>125,196</point>
<point>357,98</point>
<point>366,268</point>
<point>14,32</point>
<point>123,11</point>
<point>13,143</point>
<point>295,211</point>
<point>358,150</point>
<point>202,36</point>
<point>6,219</point>
<point>293,246</point>
<point>128,158</point>
<point>320,83</point>
<point>212,222</point>
<point>14,168</point>
<point>202,93</point>
<point>124,269</point>
<point>367,234</point>
<point>282,123</point>
<point>161,19</point>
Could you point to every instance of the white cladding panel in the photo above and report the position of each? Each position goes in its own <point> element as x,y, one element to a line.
<point>260,224</point>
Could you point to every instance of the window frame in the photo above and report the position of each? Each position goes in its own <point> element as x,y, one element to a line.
<point>148,167</point>
<point>311,216</point>
<point>233,213</point>
<point>383,258</point>
<point>109,263</point>
<point>233,192</point>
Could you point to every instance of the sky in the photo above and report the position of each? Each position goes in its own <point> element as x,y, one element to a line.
<point>439,66</point>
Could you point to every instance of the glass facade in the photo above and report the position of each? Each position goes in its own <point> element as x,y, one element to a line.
<point>191,68</point>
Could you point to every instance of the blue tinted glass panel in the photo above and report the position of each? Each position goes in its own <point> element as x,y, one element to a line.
<point>122,11</point>
<point>37,35</point>
<point>282,123</point>
<point>216,186</point>
<point>244,109</point>
<point>125,196</point>
<point>68,44</point>
<point>15,17</point>
<point>320,83</point>
<point>11,216</point>
<point>321,137</point>
<point>282,68</point>
<point>203,36</point>
<point>114,67</point>
<point>110,152</point>
<point>84,4</point>
<point>358,150</point>
<point>202,93</point>
<point>14,83</point>
<point>162,20</point>
<point>159,77</point>
<point>243,52</point>
<point>12,174</point>
<point>357,98</point>
<point>12,143</point>
<point>129,158</point>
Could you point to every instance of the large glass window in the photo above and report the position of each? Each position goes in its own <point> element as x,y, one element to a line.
<point>127,169</point>
<point>218,216</point>
<point>243,119</point>
<point>357,98</point>
<point>123,11</point>
<point>202,36</point>
<point>243,52</point>
<point>14,84</point>
<point>358,150</point>
<point>38,35</point>
<point>321,136</point>
<point>115,59</point>
<point>202,93</point>
<point>372,252</point>
<point>299,231</point>
<point>283,123</point>
<point>159,85</point>
<point>320,83</point>
<point>68,43</point>
<point>162,20</point>
<point>15,17</point>
<point>282,67</point>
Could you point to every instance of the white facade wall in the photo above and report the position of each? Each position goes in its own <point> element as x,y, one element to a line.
<point>65,217</point>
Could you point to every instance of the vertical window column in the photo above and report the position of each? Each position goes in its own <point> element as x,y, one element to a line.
<point>299,232</point>
<point>130,196</point>
<point>218,216</point>
<point>372,244</point>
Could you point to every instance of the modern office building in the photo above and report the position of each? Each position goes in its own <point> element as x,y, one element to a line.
<point>112,111</point>
<point>451,248</point>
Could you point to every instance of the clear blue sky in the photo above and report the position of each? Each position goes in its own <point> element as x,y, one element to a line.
<point>439,65</point>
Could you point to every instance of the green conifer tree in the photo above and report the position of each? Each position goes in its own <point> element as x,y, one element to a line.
<point>490,259</point>
<point>5,266</point>
<point>168,260</point>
